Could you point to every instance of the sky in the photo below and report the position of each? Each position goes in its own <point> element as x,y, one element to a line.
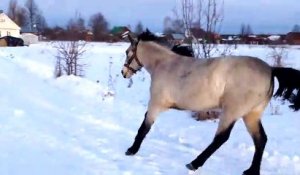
<point>264,16</point>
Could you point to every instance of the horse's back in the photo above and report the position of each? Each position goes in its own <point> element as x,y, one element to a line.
<point>244,69</point>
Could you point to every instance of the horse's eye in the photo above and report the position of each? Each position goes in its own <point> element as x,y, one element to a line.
<point>126,52</point>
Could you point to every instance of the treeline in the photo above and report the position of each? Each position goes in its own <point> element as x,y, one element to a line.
<point>96,29</point>
<point>31,19</point>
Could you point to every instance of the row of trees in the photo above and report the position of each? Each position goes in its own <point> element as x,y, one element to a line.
<point>77,28</point>
<point>31,18</point>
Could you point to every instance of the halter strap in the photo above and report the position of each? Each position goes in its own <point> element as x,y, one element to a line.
<point>134,57</point>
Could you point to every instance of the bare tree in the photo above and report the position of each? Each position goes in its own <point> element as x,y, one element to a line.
<point>41,23</point>
<point>243,32</point>
<point>16,13</point>
<point>168,25</point>
<point>187,8</point>
<point>278,55</point>
<point>99,26</point>
<point>69,58</point>
<point>76,27</point>
<point>139,28</point>
<point>12,10</point>
<point>175,25</point>
<point>249,30</point>
<point>296,28</point>
<point>36,20</point>
<point>33,12</point>
<point>246,30</point>
<point>206,15</point>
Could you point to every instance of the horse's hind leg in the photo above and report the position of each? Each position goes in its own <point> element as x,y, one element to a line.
<point>225,126</point>
<point>256,130</point>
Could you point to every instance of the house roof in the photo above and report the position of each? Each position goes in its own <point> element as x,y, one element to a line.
<point>119,30</point>
<point>7,23</point>
<point>178,36</point>
<point>274,37</point>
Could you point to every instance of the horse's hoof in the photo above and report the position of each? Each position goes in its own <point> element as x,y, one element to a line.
<point>128,153</point>
<point>251,172</point>
<point>190,167</point>
<point>131,152</point>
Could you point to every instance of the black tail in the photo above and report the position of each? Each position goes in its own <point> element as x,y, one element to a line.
<point>289,85</point>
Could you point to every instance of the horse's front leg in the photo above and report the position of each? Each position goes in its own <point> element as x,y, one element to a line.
<point>145,127</point>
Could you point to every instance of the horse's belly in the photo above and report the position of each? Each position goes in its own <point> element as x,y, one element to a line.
<point>199,102</point>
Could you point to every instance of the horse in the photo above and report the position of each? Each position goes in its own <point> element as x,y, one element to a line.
<point>11,41</point>
<point>241,86</point>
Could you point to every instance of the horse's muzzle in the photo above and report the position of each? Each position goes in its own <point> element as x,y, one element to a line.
<point>123,74</point>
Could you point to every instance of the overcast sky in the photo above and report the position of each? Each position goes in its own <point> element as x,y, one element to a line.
<point>264,16</point>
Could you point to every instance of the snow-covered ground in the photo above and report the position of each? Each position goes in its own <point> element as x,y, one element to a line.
<point>73,126</point>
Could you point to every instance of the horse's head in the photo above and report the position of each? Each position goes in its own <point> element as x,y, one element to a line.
<point>132,63</point>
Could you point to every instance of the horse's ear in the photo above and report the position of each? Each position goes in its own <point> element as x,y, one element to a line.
<point>147,30</point>
<point>129,35</point>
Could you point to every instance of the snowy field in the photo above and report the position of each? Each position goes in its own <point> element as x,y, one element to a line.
<point>72,126</point>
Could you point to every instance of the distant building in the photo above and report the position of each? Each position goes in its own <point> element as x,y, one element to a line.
<point>8,27</point>
<point>29,38</point>
<point>116,33</point>
<point>293,38</point>
<point>119,30</point>
<point>230,39</point>
<point>173,38</point>
<point>208,37</point>
<point>89,36</point>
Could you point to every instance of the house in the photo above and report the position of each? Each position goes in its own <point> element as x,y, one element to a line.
<point>208,37</point>
<point>230,39</point>
<point>116,33</point>
<point>8,27</point>
<point>178,38</point>
<point>29,38</point>
<point>175,38</point>
<point>89,36</point>
<point>276,39</point>
<point>119,30</point>
<point>255,39</point>
<point>293,38</point>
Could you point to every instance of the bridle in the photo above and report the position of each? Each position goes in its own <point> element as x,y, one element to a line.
<point>134,57</point>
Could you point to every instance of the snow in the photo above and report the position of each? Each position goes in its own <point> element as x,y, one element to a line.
<point>76,126</point>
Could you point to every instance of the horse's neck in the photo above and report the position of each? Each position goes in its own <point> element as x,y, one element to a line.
<point>152,55</point>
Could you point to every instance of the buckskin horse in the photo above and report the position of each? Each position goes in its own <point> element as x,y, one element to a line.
<point>241,86</point>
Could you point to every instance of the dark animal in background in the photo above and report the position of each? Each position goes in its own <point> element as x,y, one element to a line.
<point>184,50</point>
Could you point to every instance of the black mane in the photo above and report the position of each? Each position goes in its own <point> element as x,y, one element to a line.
<point>147,36</point>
